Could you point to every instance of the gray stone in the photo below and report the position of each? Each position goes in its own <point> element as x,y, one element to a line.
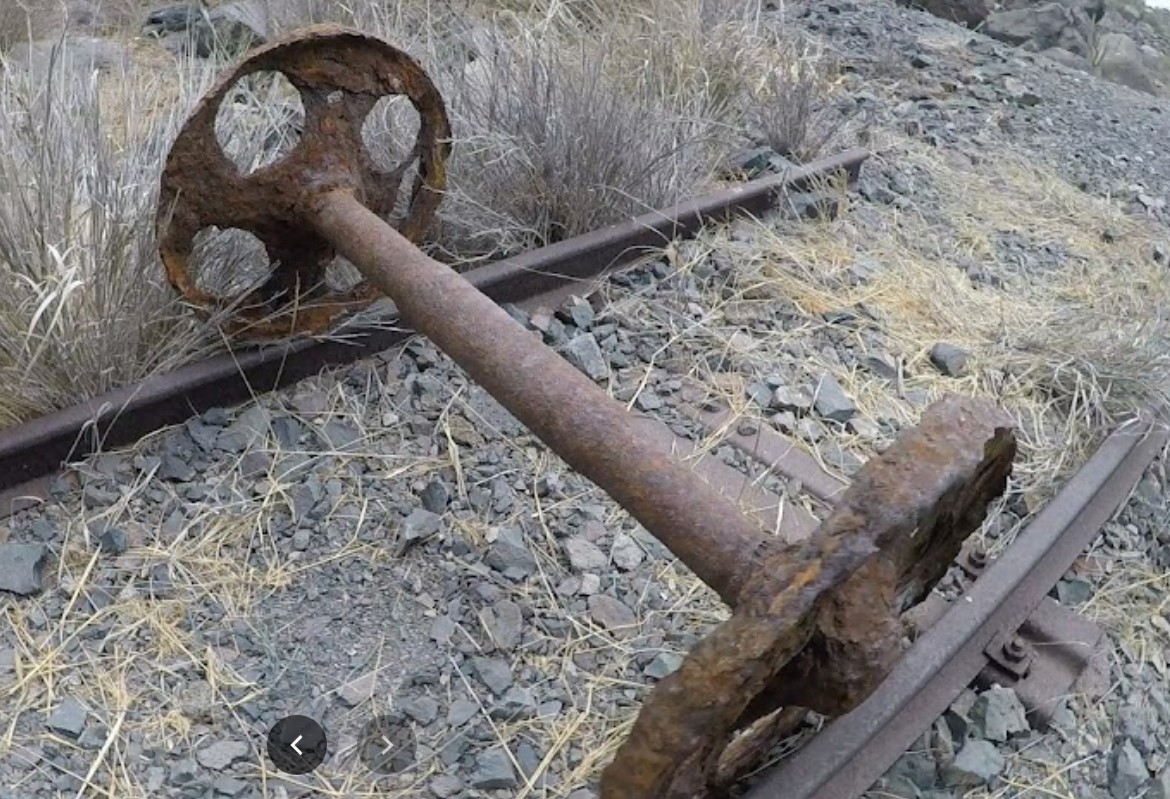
<point>584,555</point>
<point>626,553</point>
<point>287,431</point>
<point>423,709</point>
<point>495,673</point>
<point>998,714</point>
<point>446,786</point>
<point>913,773</point>
<point>96,497</point>
<point>221,754</point>
<point>796,400</point>
<point>493,771</point>
<point>504,622</point>
<point>1019,93</point>
<point>112,541</point>
<point>1040,25</point>
<point>977,763</point>
<point>510,556</point>
<point>1135,722</point>
<point>1074,592</point>
<point>156,777</point>
<point>184,771</point>
<point>663,665</point>
<point>582,793</point>
<point>339,436</point>
<point>1068,59</point>
<point>22,568</point>
<point>94,736</point>
<point>250,428</point>
<point>965,12</point>
<point>785,421</point>
<point>173,468</point>
<point>1119,59</point>
<point>1159,786</point>
<point>517,702</point>
<point>760,394</point>
<point>419,524</point>
<point>434,497</point>
<point>612,614</point>
<point>68,718</point>
<point>863,270</point>
<point>864,428</point>
<point>255,464</point>
<point>584,353</point>
<point>950,360</point>
<point>461,711</point>
<point>577,312</point>
<point>1126,770</point>
<point>528,759</point>
<point>831,401</point>
<point>229,786</point>
<point>358,690</point>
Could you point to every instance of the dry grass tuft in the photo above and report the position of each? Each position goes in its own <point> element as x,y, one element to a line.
<point>86,307</point>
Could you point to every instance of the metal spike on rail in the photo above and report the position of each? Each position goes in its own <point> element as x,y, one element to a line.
<point>815,624</point>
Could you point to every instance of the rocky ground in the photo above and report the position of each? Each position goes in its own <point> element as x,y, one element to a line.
<point>385,539</point>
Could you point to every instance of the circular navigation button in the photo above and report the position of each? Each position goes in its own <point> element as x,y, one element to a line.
<point>297,745</point>
<point>387,744</point>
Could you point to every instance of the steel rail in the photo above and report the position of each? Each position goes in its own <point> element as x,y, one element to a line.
<point>119,417</point>
<point>852,752</point>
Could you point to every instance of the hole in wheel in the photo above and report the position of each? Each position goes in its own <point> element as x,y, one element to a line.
<point>389,134</point>
<point>260,120</point>
<point>228,262</point>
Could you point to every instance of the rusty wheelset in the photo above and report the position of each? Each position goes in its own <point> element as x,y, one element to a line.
<point>815,624</point>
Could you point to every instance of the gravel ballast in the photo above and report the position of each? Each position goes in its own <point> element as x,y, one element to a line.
<point>386,539</point>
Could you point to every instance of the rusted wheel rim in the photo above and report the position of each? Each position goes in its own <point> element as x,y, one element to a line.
<point>340,74</point>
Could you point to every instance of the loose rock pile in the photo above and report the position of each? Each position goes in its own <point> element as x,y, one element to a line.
<point>1122,42</point>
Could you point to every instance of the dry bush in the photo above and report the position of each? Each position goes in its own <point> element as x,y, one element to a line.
<point>548,145</point>
<point>792,110</point>
<point>85,306</point>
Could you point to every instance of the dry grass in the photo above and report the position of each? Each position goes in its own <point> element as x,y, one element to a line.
<point>23,21</point>
<point>1070,351</point>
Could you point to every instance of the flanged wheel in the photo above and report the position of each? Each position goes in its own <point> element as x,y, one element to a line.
<point>339,74</point>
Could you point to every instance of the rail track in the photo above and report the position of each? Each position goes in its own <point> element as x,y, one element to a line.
<point>991,631</point>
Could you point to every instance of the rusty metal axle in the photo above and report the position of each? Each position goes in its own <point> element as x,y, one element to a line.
<point>814,624</point>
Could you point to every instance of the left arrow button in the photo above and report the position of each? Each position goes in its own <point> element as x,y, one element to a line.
<point>297,745</point>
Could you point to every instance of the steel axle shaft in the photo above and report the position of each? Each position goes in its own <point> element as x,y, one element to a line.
<point>570,413</point>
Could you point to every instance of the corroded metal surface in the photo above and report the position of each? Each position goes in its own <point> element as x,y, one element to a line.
<point>340,75</point>
<point>934,482</point>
